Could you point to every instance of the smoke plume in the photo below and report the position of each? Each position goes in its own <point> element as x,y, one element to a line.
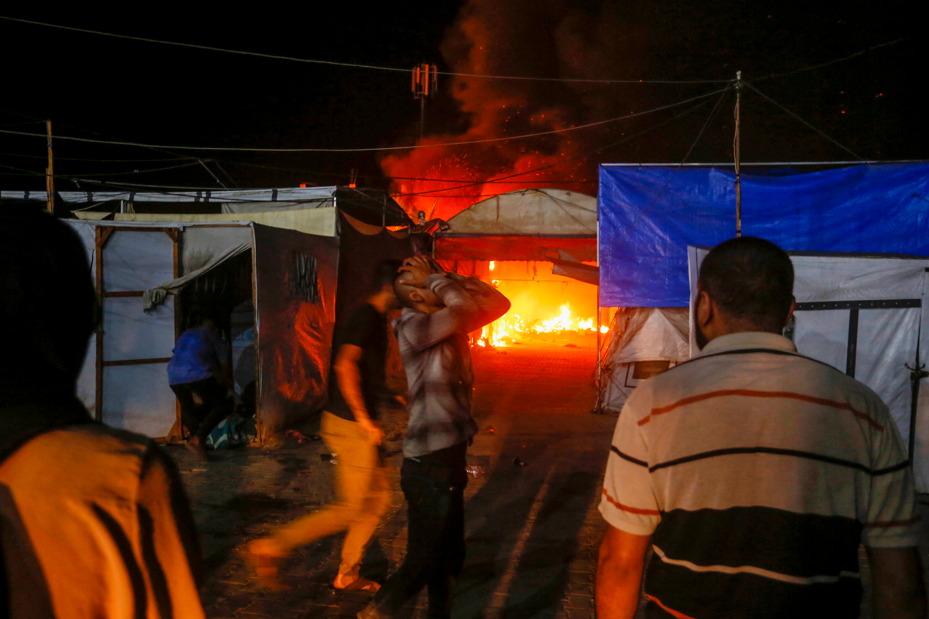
<point>539,38</point>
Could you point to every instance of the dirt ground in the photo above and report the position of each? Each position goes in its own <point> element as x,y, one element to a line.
<point>532,531</point>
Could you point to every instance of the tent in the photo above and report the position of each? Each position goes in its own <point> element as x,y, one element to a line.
<point>649,215</point>
<point>530,224</point>
<point>290,277</point>
<point>284,291</point>
<point>867,316</point>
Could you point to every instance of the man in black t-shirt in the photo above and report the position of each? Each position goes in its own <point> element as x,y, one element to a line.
<point>350,430</point>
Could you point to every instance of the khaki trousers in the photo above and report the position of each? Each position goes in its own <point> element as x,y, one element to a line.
<point>362,491</point>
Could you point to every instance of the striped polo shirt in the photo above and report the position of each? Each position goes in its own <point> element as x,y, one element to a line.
<point>757,472</point>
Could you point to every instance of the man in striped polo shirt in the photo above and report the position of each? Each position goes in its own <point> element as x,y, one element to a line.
<point>754,473</point>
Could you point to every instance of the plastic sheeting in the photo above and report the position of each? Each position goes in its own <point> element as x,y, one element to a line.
<point>886,339</point>
<point>156,296</point>
<point>640,334</point>
<point>320,221</point>
<point>649,214</point>
<point>296,280</point>
<point>529,212</point>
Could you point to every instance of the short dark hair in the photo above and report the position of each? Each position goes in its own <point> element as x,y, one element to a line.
<point>751,279</point>
<point>384,273</point>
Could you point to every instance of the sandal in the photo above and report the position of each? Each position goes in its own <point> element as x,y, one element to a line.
<point>359,584</point>
<point>263,563</point>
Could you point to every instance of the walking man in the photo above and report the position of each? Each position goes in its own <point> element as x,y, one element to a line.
<point>440,310</point>
<point>200,375</point>
<point>349,428</point>
<point>754,472</point>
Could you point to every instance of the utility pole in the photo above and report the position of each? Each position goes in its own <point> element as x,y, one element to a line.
<point>735,153</point>
<point>425,78</point>
<point>50,171</point>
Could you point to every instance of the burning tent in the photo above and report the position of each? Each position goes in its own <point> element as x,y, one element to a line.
<point>649,215</point>
<point>509,239</point>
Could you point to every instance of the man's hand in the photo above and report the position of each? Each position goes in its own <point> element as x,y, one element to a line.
<point>375,434</point>
<point>420,267</point>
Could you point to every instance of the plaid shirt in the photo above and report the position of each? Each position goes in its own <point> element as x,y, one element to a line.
<point>437,359</point>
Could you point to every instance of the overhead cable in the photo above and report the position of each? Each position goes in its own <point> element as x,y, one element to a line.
<point>840,145</point>
<point>375,149</point>
<point>826,64</point>
<point>352,64</point>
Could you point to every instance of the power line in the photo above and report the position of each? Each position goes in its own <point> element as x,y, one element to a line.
<point>826,64</point>
<point>843,147</point>
<point>57,158</point>
<point>79,177</point>
<point>354,65</point>
<point>552,165</point>
<point>377,149</point>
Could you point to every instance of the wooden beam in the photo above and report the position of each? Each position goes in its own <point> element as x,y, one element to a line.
<point>102,234</point>
<point>172,232</point>
<point>110,364</point>
<point>124,293</point>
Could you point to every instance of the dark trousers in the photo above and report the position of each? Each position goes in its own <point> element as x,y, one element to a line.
<point>200,419</point>
<point>435,549</point>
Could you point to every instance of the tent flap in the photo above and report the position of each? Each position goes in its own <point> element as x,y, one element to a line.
<point>154,297</point>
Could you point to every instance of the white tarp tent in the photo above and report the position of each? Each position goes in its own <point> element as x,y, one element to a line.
<point>638,336</point>
<point>864,315</point>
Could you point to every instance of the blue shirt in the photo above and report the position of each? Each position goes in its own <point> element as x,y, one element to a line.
<point>197,355</point>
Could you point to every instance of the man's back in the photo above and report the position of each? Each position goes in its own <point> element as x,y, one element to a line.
<point>758,472</point>
<point>96,517</point>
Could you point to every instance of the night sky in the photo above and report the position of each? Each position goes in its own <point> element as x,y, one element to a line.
<point>105,88</point>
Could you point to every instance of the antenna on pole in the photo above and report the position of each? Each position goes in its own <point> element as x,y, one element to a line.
<point>735,154</point>
<point>425,79</point>
<point>50,171</point>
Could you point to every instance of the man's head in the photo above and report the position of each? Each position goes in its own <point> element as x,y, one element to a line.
<point>382,286</point>
<point>745,284</point>
<point>47,299</point>
<point>418,298</point>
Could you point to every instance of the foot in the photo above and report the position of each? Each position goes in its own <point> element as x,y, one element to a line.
<point>195,445</point>
<point>355,583</point>
<point>263,559</point>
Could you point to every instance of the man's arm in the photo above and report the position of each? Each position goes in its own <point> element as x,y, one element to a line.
<point>619,573</point>
<point>898,589</point>
<point>490,301</point>
<point>348,373</point>
<point>426,330</point>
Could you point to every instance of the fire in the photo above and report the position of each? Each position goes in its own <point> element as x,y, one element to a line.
<point>506,330</point>
<point>493,265</point>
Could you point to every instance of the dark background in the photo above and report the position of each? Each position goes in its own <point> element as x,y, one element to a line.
<point>106,88</point>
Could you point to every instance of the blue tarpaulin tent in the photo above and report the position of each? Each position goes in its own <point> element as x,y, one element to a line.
<point>648,215</point>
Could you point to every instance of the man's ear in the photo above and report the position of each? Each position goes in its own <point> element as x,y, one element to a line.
<point>416,296</point>
<point>705,309</point>
<point>793,308</point>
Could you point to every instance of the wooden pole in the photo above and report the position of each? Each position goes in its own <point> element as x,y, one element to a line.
<point>50,171</point>
<point>735,152</point>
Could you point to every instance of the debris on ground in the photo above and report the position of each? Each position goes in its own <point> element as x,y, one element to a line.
<point>474,470</point>
<point>518,462</point>
<point>299,437</point>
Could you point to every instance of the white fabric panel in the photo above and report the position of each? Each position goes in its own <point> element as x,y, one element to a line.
<point>200,244</point>
<point>137,260</point>
<point>823,335</point>
<point>138,398</point>
<point>266,207</point>
<point>130,333</point>
<point>542,212</point>
<point>840,278</point>
<point>920,455</point>
<point>886,345</point>
<point>657,334</point>
<point>319,221</point>
<point>250,195</point>
<point>87,379</point>
<point>88,235</point>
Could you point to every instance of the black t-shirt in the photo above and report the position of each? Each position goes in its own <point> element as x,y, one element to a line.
<point>367,329</point>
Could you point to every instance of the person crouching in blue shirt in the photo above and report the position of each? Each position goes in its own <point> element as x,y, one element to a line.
<point>200,375</point>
